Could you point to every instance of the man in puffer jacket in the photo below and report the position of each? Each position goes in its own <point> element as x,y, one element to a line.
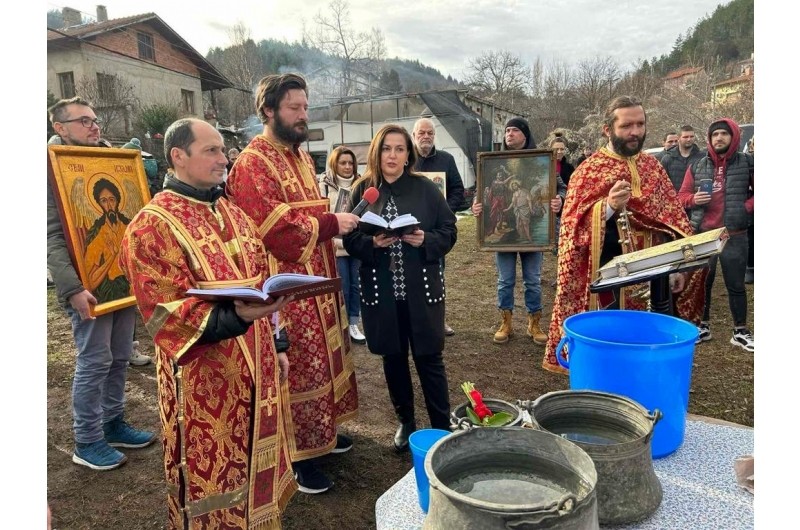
<point>729,204</point>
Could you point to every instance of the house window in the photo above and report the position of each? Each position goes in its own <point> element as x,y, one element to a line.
<point>187,101</point>
<point>66,81</point>
<point>105,87</point>
<point>146,49</point>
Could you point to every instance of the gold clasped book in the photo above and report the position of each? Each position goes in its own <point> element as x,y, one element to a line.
<point>685,250</point>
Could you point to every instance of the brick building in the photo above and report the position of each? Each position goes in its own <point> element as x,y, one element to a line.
<point>127,63</point>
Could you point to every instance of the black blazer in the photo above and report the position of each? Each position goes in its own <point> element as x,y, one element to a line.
<point>424,280</point>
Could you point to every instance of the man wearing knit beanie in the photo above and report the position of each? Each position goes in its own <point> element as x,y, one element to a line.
<point>729,204</point>
<point>517,126</point>
<point>721,125</point>
<point>518,136</point>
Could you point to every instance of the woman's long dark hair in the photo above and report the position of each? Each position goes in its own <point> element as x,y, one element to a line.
<point>373,174</point>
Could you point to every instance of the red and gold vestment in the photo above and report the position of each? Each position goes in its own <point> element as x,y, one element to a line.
<point>656,216</point>
<point>277,187</point>
<point>225,452</point>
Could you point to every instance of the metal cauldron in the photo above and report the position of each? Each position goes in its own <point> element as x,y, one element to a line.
<point>510,478</point>
<point>616,433</point>
<point>459,419</point>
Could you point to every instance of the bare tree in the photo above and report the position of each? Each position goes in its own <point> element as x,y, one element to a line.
<point>537,79</point>
<point>359,53</point>
<point>113,99</point>
<point>641,81</point>
<point>500,75</point>
<point>686,103</point>
<point>553,105</point>
<point>243,66</point>
<point>595,82</point>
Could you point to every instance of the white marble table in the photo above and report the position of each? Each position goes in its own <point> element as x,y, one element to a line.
<point>700,490</point>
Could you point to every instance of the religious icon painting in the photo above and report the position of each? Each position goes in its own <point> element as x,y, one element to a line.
<point>98,191</point>
<point>437,177</point>
<point>515,188</point>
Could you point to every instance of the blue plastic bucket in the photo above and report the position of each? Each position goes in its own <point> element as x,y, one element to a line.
<point>644,356</point>
<point>420,442</point>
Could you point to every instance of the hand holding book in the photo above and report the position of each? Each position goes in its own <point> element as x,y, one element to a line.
<point>287,284</point>
<point>373,225</point>
<point>250,311</point>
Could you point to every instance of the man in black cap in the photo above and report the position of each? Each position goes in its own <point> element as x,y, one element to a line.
<point>518,136</point>
<point>729,204</point>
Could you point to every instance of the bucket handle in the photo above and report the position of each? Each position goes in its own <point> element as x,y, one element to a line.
<point>561,507</point>
<point>563,362</point>
<point>460,424</point>
<point>526,406</point>
<point>656,416</point>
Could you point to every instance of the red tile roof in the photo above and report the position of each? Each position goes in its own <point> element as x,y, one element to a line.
<point>680,72</point>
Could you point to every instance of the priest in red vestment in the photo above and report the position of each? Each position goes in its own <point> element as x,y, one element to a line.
<point>618,175</point>
<point>226,456</point>
<point>274,182</point>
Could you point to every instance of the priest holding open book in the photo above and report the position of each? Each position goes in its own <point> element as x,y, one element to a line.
<point>226,454</point>
<point>402,284</point>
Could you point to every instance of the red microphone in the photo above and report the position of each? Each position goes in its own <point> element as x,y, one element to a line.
<point>369,197</point>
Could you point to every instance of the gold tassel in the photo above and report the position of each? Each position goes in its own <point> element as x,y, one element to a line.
<point>286,495</point>
<point>271,521</point>
<point>265,459</point>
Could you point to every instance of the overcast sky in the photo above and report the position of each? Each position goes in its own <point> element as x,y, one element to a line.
<point>444,34</point>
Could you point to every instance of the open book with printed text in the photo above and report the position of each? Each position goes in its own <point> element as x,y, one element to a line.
<point>373,224</point>
<point>286,284</point>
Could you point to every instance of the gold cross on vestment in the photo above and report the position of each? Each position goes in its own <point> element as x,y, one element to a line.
<point>328,304</point>
<point>208,239</point>
<point>272,400</point>
<point>289,183</point>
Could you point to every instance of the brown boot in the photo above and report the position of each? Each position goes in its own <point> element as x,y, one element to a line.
<point>504,331</point>
<point>534,330</point>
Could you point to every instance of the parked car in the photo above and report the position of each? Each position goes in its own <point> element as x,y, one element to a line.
<point>746,134</point>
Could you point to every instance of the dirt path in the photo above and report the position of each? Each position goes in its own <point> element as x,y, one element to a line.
<point>133,497</point>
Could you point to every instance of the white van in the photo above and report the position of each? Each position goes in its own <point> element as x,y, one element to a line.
<point>324,136</point>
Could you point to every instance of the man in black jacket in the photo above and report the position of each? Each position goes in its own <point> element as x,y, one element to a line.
<point>676,159</point>
<point>431,160</point>
<point>730,204</point>
<point>670,141</point>
<point>518,137</point>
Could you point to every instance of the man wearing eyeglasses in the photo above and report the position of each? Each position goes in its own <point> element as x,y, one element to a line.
<point>104,342</point>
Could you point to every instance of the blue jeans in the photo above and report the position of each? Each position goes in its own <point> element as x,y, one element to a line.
<point>98,390</point>
<point>348,272</point>
<point>733,259</point>
<point>531,277</point>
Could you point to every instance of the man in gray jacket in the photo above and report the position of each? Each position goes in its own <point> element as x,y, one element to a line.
<point>103,342</point>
